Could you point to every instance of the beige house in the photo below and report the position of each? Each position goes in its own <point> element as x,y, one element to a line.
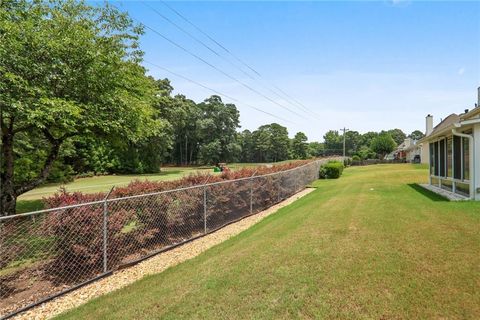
<point>406,151</point>
<point>412,150</point>
<point>452,149</point>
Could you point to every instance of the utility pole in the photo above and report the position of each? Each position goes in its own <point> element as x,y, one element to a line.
<point>345,130</point>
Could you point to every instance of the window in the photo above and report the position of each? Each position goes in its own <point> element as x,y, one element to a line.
<point>442,162</point>
<point>432,158</point>
<point>449,158</point>
<point>466,158</point>
<point>457,157</point>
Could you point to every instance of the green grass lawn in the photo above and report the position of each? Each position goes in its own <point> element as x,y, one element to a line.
<point>370,245</point>
<point>105,183</point>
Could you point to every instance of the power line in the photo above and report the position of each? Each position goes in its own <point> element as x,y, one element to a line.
<point>201,85</point>
<point>195,38</point>
<point>206,35</point>
<point>237,58</point>
<point>295,104</point>
<point>218,69</point>
<point>216,91</point>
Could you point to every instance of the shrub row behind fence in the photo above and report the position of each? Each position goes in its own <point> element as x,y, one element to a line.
<point>50,251</point>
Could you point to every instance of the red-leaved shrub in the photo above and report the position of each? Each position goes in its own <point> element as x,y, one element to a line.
<point>142,224</point>
<point>79,235</point>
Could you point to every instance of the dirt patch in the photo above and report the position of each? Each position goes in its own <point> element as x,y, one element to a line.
<point>153,265</point>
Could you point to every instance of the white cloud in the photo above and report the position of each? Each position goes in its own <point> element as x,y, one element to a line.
<point>400,3</point>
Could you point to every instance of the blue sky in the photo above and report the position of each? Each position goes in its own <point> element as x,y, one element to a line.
<point>364,65</point>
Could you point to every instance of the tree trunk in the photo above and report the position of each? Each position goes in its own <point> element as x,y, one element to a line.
<point>8,197</point>
<point>10,191</point>
<point>8,200</point>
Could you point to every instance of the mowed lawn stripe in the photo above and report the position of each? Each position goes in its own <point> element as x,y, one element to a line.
<point>369,245</point>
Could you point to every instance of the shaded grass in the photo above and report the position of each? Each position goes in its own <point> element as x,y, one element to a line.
<point>31,250</point>
<point>365,246</point>
<point>29,205</point>
<point>427,193</point>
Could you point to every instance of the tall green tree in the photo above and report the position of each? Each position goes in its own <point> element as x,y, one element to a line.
<point>248,147</point>
<point>300,146</point>
<point>316,149</point>
<point>262,140</point>
<point>217,129</point>
<point>383,144</point>
<point>352,141</point>
<point>416,135</point>
<point>66,69</point>
<point>364,152</point>
<point>271,143</point>
<point>398,135</point>
<point>280,142</point>
<point>367,138</point>
<point>333,142</point>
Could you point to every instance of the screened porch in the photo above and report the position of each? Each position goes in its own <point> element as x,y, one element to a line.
<point>450,164</point>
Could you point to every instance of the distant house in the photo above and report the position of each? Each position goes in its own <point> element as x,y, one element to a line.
<point>406,151</point>
<point>413,151</point>
<point>453,152</point>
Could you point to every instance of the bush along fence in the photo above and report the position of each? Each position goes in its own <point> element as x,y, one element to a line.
<point>46,253</point>
<point>333,169</point>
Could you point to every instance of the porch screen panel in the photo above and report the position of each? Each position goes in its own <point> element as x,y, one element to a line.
<point>435,162</point>
<point>457,156</point>
<point>466,159</point>
<point>432,158</point>
<point>449,157</point>
<point>442,161</point>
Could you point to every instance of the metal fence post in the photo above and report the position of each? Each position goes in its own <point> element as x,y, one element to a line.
<point>205,205</point>
<point>297,178</point>
<point>105,230</point>
<point>205,210</point>
<point>251,191</point>
<point>279,197</point>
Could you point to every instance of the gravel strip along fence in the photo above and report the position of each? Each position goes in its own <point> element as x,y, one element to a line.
<point>155,264</point>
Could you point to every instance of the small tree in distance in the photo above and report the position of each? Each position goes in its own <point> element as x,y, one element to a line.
<point>383,145</point>
<point>416,135</point>
<point>300,146</point>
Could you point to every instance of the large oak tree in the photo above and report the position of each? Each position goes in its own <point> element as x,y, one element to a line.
<point>66,69</point>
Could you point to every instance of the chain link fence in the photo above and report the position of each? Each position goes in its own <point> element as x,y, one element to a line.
<point>49,252</point>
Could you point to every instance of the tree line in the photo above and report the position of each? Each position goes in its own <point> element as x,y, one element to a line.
<point>369,145</point>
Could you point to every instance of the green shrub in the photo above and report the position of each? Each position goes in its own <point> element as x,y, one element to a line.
<point>331,170</point>
<point>356,158</point>
<point>347,162</point>
<point>61,172</point>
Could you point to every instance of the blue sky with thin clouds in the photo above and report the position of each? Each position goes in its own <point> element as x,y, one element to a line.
<point>364,65</point>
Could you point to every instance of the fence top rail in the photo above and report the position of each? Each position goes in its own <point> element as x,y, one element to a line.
<point>2,218</point>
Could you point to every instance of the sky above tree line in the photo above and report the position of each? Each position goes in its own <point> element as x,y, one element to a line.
<point>364,65</point>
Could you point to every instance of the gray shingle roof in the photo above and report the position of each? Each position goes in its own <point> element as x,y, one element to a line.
<point>446,123</point>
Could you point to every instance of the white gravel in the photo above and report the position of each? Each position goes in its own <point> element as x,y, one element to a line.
<point>153,265</point>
